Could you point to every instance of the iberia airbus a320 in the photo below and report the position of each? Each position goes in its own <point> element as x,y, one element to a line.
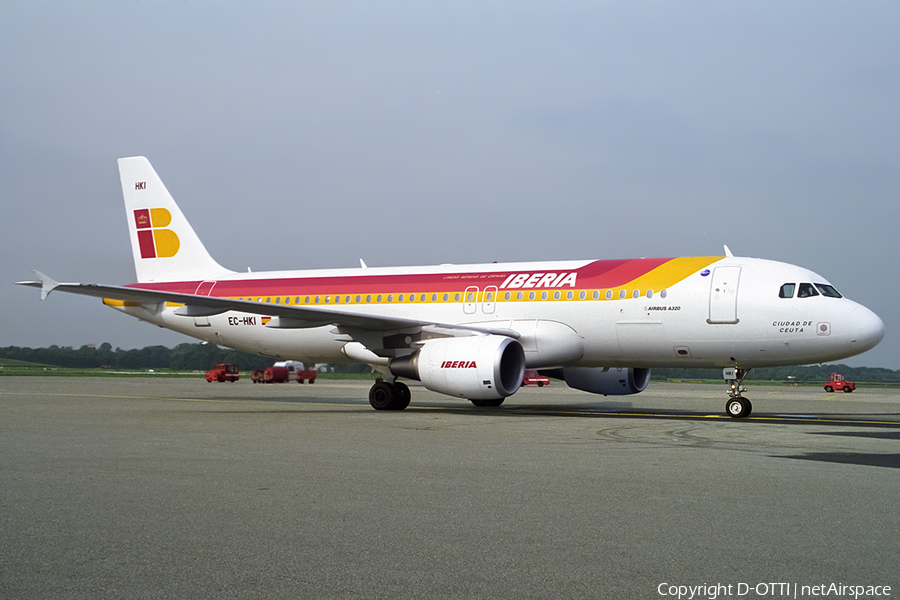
<point>470,331</point>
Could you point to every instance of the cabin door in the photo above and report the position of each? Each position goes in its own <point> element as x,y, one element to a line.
<point>723,292</point>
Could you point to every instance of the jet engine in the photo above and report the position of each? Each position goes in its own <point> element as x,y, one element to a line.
<point>485,367</point>
<point>609,382</point>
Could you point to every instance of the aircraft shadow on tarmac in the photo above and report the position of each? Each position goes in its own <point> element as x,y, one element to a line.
<point>851,458</point>
<point>880,420</point>
<point>888,428</point>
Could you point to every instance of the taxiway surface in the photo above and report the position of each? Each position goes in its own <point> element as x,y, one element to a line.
<point>166,488</point>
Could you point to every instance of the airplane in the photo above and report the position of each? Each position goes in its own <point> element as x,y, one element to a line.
<point>470,331</point>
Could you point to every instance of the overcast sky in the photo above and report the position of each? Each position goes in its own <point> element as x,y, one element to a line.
<point>306,135</point>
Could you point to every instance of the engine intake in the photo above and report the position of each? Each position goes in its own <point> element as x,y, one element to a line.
<point>478,368</point>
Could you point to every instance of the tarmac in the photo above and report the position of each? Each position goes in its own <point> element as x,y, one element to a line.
<point>168,488</point>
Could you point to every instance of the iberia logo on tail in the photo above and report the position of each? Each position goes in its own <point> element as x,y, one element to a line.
<point>154,240</point>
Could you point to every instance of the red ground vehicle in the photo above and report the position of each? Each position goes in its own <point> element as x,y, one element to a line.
<point>223,372</point>
<point>838,382</point>
<point>532,377</point>
<point>270,375</point>
<point>282,372</point>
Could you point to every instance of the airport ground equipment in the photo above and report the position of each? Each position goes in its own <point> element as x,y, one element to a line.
<point>223,372</point>
<point>837,382</point>
<point>532,377</point>
<point>284,371</point>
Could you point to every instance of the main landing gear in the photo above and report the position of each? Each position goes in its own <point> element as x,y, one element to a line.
<point>396,396</point>
<point>389,396</point>
<point>737,406</point>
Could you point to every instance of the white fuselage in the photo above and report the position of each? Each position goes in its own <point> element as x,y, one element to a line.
<point>726,313</point>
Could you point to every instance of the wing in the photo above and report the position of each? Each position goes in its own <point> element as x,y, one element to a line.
<point>285,316</point>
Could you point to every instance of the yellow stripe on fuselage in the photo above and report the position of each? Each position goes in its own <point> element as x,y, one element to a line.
<point>670,273</point>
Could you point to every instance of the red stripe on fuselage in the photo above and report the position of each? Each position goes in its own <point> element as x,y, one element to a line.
<point>600,274</point>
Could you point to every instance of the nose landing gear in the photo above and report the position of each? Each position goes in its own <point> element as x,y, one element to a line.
<point>737,406</point>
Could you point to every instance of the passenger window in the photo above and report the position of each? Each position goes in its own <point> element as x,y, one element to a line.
<point>609,294</point>
<point>786,291</point>
<point>828,290</point>
<point>806,290</point>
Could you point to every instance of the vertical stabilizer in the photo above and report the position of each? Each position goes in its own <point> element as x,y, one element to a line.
<point>164,244</point>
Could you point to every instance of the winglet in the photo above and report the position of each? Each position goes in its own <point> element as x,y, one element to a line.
<point>728,251</point>
<point>362,264</point>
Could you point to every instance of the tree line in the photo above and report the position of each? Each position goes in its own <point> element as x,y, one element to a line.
<point>200,357</point>
<point>183,357</point>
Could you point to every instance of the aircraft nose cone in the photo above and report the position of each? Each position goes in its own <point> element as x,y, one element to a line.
<point>868,328</point>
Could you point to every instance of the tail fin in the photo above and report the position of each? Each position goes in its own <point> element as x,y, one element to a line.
<point>164,244</point>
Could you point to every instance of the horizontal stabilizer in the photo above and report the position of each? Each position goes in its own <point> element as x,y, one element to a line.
<point>46,284</point>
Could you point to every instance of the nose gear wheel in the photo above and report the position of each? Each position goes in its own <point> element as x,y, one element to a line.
<point>737,406</point>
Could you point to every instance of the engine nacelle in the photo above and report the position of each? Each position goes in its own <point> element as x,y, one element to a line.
<point>483,367</point>
<point>609,382</point>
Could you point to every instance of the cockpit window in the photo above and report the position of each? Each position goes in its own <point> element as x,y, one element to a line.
<point>828,290</point>
<point>807,290</point>
<point>787,290</point>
